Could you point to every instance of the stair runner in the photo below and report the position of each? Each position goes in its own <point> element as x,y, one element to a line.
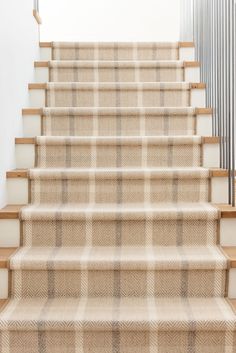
<point>119,244</point>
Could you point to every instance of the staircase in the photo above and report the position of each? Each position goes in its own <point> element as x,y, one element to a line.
<point>120,240</point>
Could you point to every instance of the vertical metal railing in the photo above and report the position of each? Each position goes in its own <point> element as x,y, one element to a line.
<point>211,24</point>
<point>36,5</point>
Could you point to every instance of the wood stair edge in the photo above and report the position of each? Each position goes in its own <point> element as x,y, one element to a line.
<point>230,253</point>
<point>41,64</point>
<point>204,111</point>
<point>191,64</point>
<point>226,210</point>
<point>17,173</point>
<point>181,44</point>
<point>25,140</point>
<point>197,85</point>
<point>39,111</point>
<point>37,86</point>
<point>5,255</point>
<point>186,45</point>
<point>32,111</point>
<point>210,139</point>
<point>45,44</point>
<point>10,211</point>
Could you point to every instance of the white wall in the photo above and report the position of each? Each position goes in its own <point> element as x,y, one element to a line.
<point>110,20</point>
<point>18,50</point>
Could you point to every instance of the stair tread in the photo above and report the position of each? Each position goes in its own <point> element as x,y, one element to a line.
<point>99,314</point>
<point>113,140</point>
<point>126,258</point>
<point>115,173</point>
<point>162,44</point>
<point>166,211</point>
<point>122,85</point>
<point>119,63</point>
<point>123,110</point>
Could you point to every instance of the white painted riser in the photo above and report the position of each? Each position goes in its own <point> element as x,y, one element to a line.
<point>25,156</point>
<point>37,98</point>
<point>17,190</point>
<point>32,125</point>
<point>185,54</point>
<point>191,74</point>
<point>4,283</point>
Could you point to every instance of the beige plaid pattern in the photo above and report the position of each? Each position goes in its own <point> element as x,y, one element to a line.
<point>115,51</point>
<point>119,242</point>
<point>158,225</point>
<point>119,185</point>
<point>114,152</point>
<point>129,272</point>
<point>113,71</point>
<point>133,121</point>
<point>74,94</point>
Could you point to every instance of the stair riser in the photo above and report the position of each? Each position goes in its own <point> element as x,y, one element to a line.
<point>119,283</point>
<point>40,97</point>
<point>187,74</point>
<point>141,341</point>
<point>184,54</point>
<point>105,232</point>
<point>35,125</point>
<point>4,283</point>
<point>119,191</point>
<point>25,158</point>
<point>20,191</point>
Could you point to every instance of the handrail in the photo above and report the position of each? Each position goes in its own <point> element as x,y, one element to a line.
<point>36,5</point>
<point>211,25</point>
<point>36,11</point>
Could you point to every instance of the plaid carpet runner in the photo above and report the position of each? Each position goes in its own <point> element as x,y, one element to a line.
<point>119,243</point>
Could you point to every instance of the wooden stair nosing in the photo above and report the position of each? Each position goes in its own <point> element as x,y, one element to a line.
<point>31,140</point>
<point>39,111</point>
<point>43,86</point>
<point>10,211</point>
<point>5,254</point>
<point>181,44</point>
<point>186,64</point>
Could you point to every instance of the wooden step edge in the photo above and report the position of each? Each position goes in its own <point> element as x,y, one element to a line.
<point>204,111</point>
<point>44,85</point>
<point>25,140</point>
<point>199,85</point>
<point>186,45</point>
<point>37,86</point>
<point>17,173</point>
<point>181,44</point>
<point>5,255</point>
<point>185,64</point>
<point>39,111</point>
<point>10,211</point>
<point>37,17</point>
<point>45,44</point>
<point>41,64</point>
<point>230,253</point>
<point>191,64</point>
<point>23,173</point>
<point>226,211</point>
<point>3,303</point>
<point>31,140</point>
<point>32,111</point>
<point>219,172</point>
<point>210,139</point>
